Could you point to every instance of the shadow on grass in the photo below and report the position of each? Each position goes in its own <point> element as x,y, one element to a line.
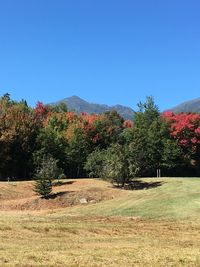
<point>140,185</point>
<point>60,183</point>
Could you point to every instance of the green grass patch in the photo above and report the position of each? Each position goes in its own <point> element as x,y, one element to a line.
<point>173,198</point>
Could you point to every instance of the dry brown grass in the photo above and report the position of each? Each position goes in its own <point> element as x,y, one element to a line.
<point>53,240</point>
<point>20,196</point>
<point>74,236</point>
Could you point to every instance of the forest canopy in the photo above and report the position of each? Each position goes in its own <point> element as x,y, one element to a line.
<point>98,145</point>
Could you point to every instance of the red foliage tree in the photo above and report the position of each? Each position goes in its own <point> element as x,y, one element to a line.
<point>128,124</point>
<point>185,127</point>
<point>40,112</point>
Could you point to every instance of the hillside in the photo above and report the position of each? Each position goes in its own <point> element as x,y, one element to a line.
<point>156,224</point>
<point>187,106</point>
<point>20,195</point>
<point>79,105</point>
<point>167,198</point>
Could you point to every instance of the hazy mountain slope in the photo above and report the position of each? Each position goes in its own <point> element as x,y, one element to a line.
<point>188,106</point>
<point>79,105</point>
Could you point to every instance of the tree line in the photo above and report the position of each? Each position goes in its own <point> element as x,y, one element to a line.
<point>103,145</point>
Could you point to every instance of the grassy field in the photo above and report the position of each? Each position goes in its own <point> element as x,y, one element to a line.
<point>155,224</point>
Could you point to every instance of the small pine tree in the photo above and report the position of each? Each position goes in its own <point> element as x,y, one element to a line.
<point>45,174</point>
<point>43,187</point>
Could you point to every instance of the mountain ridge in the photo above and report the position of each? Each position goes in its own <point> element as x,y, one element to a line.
<point>80,105</point>
<point>192,106</point>
<point>77,104</point>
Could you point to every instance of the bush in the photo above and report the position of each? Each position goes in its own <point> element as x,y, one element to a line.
<point>95,163</point>
<point>111,164</point>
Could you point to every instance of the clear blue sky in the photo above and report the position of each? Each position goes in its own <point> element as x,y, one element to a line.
<point>105,51</point>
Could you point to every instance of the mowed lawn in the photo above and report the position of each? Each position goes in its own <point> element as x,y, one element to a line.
<point>155,224</point>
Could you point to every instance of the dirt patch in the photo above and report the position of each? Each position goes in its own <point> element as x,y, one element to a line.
<point>20,196</point>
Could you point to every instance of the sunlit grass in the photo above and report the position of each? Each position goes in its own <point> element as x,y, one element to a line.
<point>152,227</point>
<point>174,198</point>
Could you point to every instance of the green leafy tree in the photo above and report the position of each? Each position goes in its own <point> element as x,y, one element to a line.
<point>76,152</point>
<point>173,161</point>
<point>111,164</point>
<point>95,163</point>
<point>116,167</point>
<point>50,140</point>
<point>60,107</point>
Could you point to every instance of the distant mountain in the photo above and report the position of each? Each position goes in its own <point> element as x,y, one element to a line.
<point>188,106</point>
<point>77,104</point>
